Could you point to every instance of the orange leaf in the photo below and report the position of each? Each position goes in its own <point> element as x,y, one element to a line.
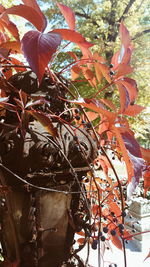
<point>98,58</point>
<point>11,27</point>
<point>68,15</point>
<point>133,110</point>
<point>116,241</point>
<point>108,103</point>
<point>72,36</point>
<point>91,115</point>
<point>82,233</point>
<point>45,121</point>
<point>96,106</point>
<point>145,154</point>
<point>126,157</point>
<point>123,70</point>
<point>148,256</point>
<point>34,5</point>
<point>124,97</point>
<point>105,71</point>
<point>75,72</point>
<point>146,177</point>
<point>124,35</point>
<point>29,13</point>
<point>131,87</point>
<point>81,241</point>
<point>14,46</point>
<point>89,75</point>
<point>98,71</point>
<point>115,208</point>
<point>73,55</point>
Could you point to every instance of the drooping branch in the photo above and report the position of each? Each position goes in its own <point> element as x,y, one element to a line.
<point>139,34</point>
<point>126,10</point>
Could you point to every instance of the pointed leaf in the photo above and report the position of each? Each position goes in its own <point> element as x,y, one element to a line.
<point>89,75</point>
<point>116,241</point>
<point>108,103</point>
<point>14,46</point>
<point>98,58</point>
<point>125,154</point>
<point>4,52</point>
<point>73,36</point>
<point>124,97</point>
<point>96,106</point>
<point>98,71</point>
<point>39,48</point>
<point>135,155</point>
<point>105,71</point>
<point>73,55</point>
<point>91,115</point>
<point>11,27</point>
<point>34,5</point>
<point>124,35</point>
<point>148,256</point>
<point>145,154</point>
<point>75,72</point>
<point>29,13</point>
<point>68,15</point>
<point>45,121</point>
<point>131,87</point>
<point>133,110</point>
<point>123,70</point>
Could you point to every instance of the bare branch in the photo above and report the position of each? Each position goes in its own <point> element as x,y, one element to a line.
<point>125,12</point>
<point>86,16</point>
<point>139,34</point>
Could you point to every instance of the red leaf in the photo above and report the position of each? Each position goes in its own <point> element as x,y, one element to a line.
<point>34,5</point>
<point>75,72</point>
<point>98,58</point>
<point>14,46</point>
<point>145,154</point>
<point>81,241</point>
<point>68,15</point>
<point>125,155</point>
<point>124,97</point>
<point>10,26</point>
<point>148,256</point>
<point>131,87</point>
<point>123,70</point>
<point>39,48</point>
<point>89,75</point>
<point>133,110</point>
<point>115,208</point>
<point>108,103</point>
<point>73,36</point>
<point>4,52</point>
<point>98,71</point>
<point>91,115</point>
<point>45,121</point>
<point>17,62</point>
<point>29,13</point>
<point>96,106</point>
<point>116,241</point>
<point>105,71</point>
<point>146,177</point>
<point>124,35</point>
